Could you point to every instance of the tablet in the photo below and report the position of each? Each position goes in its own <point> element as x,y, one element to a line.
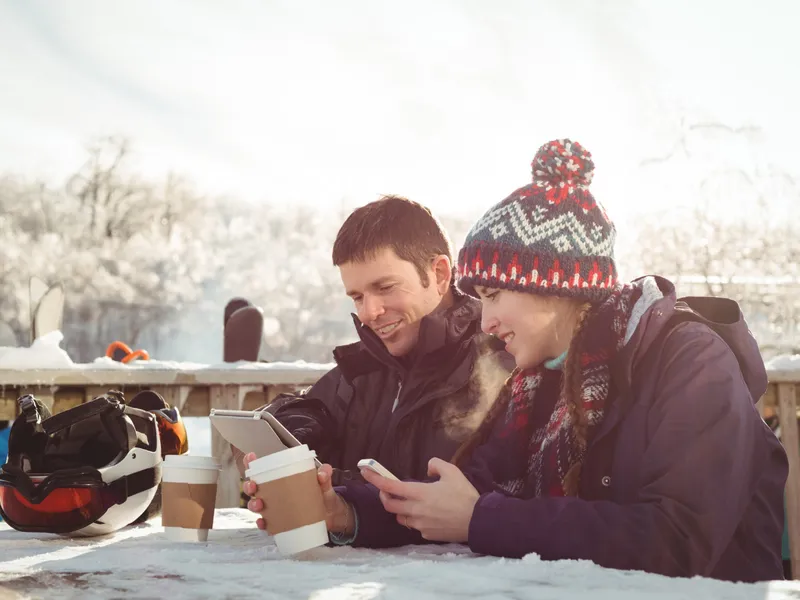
<point>253,431</point>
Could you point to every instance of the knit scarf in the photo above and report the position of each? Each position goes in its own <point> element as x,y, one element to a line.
<point>548,437</point>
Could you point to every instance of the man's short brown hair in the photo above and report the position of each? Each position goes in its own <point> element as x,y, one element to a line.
<point>403,225</point>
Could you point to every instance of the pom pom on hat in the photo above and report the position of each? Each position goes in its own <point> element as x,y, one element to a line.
<point>563,161</point>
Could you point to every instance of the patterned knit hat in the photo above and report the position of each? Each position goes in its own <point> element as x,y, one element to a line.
<point>549,237</point>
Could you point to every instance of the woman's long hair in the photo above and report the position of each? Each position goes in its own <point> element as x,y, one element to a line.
<point>572,392</point>
<point>571,389</point>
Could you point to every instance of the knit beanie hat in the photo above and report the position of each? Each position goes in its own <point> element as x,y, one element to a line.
<point>548,237</point>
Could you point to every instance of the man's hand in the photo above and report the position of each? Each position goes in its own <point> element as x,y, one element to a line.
<point>440,511</point>
<point>338,515</point>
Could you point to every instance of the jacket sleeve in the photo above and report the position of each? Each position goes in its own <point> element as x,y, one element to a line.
<point>377,528</point>
<point>316,415</point>
<point>705,454</point>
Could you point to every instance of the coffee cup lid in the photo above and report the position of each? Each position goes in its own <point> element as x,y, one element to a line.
<point>187,461</point>
<point>280,459</point>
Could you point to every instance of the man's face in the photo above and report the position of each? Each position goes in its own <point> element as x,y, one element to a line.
<point>390,298</point>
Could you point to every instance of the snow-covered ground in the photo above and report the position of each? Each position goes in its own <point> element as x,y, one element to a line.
<point>239,561</point>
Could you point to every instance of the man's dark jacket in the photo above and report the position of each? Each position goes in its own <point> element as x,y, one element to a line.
<point>401,412</point>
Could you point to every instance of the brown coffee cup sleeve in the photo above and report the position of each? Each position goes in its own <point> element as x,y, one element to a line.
<point>292,502</point>
<point>188,505</point>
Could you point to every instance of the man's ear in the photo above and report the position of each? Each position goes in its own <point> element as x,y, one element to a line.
<point>442,273</point>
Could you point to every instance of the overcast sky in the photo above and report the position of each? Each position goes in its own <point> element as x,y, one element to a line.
<point>444,101</point>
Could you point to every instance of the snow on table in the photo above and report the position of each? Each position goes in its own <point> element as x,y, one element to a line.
<point>240,561</point>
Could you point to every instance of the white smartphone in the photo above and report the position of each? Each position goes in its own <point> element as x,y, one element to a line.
<point>375,466</point>
<point>254,431</point>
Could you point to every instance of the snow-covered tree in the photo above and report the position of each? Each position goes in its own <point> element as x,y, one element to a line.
<point>738,237</point>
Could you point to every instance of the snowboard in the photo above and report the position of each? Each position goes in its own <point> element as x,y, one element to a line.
<point>7,336</point>
<point>46,307</point>
<point>36,289</point>
<point>233,305</point>
<point>243,327</point>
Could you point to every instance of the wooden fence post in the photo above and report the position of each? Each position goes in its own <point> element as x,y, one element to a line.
<point>787,415</point>
<point>228,487</point>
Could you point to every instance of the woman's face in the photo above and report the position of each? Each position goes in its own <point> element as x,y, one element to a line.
<point>534,328</point>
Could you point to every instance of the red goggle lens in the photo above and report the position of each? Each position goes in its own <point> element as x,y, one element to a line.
<point>64,509</point>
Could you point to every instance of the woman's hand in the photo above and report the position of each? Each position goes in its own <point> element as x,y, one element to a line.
<point>338,515</point>
<point>440,511</point>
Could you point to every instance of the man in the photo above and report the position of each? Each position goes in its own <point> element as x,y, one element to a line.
<point>423,374</point>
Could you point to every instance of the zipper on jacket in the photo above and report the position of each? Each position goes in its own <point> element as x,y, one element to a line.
<point>397,397</point>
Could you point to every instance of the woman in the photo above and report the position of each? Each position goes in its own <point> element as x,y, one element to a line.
<point>628,435</point>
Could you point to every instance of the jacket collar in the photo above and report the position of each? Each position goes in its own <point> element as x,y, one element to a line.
<point>722,315</point>
<point>439,331</point>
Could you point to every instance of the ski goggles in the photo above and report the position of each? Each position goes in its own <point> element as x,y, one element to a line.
<point>58,479</point>
<point>66,501</point>
<point>171,429</point>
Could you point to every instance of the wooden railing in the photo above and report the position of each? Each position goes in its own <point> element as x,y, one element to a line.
<point>196,391</point>
<point>781,399</point>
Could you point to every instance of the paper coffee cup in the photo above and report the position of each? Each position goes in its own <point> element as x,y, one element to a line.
<point>188,496</point>
<point>295,513</point>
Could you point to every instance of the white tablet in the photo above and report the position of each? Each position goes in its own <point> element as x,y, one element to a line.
<point>253,431</point>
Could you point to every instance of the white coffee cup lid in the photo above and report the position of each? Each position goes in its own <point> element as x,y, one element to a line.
<point>280,459</point>
<point>187,461</point>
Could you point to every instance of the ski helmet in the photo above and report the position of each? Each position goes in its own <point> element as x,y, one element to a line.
<point>86,471</point>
